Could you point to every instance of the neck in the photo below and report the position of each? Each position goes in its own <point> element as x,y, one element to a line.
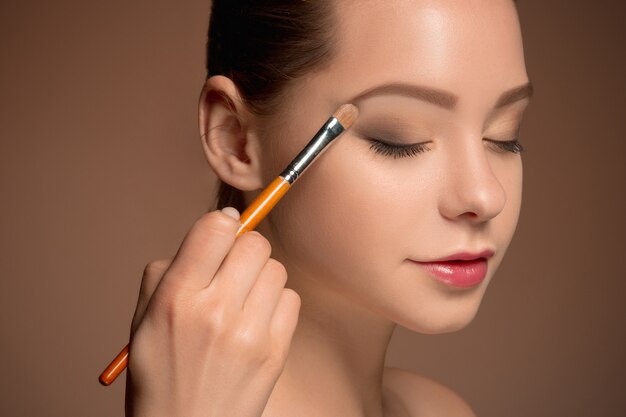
<point>336,360</point>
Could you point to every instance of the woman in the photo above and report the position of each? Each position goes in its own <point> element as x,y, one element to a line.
<point>403,221</point>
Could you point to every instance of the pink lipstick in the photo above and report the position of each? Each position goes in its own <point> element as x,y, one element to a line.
<point>462,270</point>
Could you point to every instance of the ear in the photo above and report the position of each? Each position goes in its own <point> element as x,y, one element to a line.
<point>229,140</point>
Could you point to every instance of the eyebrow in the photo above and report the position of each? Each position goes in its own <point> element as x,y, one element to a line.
<point>438,97</point>
<point>515,94</point>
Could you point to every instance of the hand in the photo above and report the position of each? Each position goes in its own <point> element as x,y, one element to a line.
<point>212,327</point>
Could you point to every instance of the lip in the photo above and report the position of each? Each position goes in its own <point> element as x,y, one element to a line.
<point>460,270</point>
<point>466,256</point>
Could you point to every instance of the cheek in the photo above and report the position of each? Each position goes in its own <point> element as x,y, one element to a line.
<point>351,213</point>
<point>502,228</point>
<point>510,174</point>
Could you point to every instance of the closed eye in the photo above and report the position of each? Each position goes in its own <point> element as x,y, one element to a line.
<point>500,146</point>
<point>397,150</point>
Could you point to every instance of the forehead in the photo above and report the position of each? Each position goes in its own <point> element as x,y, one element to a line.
<point>472,48</point>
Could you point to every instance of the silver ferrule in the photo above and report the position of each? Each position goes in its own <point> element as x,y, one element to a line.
<point>331,129</point>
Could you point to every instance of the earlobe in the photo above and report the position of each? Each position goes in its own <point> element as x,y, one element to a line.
<point>228,138</point>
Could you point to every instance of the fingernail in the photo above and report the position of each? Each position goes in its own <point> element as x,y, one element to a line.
<point>232,212</point>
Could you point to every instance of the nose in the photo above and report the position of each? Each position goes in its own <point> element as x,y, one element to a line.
<point>472,191</point>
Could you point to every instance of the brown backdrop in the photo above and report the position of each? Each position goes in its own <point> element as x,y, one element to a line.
<point>101,170</point>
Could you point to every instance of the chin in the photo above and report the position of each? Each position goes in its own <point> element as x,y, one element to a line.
<point>442,319</point>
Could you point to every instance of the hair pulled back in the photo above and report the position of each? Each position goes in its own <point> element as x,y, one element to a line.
<point>262,46</point>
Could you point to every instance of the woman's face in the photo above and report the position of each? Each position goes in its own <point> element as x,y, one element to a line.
<point>363,213</point>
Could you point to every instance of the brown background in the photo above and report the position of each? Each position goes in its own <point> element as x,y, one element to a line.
<point>101,170</point>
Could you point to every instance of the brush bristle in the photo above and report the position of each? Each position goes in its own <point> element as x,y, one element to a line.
<point>346,114</point>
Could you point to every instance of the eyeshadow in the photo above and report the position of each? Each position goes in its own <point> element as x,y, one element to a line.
<point>392,129</point>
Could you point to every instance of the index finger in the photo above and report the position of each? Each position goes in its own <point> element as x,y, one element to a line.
<point>203,249</point>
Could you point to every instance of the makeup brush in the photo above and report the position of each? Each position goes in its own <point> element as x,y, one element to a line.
<point>340,121</point>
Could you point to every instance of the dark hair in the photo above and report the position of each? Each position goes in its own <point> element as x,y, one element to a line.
<point>262,46</point>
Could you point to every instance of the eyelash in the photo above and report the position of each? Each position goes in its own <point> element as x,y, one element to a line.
<point>397,151</point>
<point>513,145</point>
<point>404,151</point>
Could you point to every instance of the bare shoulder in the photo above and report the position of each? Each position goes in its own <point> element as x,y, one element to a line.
<point>411,395</point>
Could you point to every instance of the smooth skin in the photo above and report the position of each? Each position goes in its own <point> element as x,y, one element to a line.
<point>215,330</point>
<point>209,329</point>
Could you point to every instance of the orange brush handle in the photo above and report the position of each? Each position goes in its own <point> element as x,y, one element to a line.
<point>115,368</point>
<point>249,219</point>
<point>262,205</point>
